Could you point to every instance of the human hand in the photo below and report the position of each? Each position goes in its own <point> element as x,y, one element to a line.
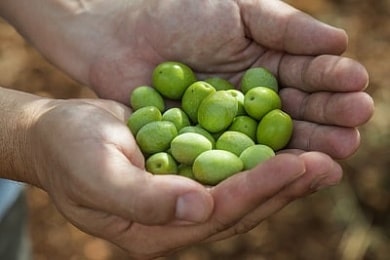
<point>118,45</point>
<point>321,90</point>
<point>87,160</point>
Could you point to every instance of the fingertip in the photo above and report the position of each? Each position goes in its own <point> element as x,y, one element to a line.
<point>323,170</point>
<point>365,77</point>
<point>341,40</point>
<point>328,39</point>
<point>310,36</point>
<point>170,198</point>
<point>194,207</point>
<point>361,107</point>
<point>356,76</point>
<point>350,147</point>
<point>369,104</point>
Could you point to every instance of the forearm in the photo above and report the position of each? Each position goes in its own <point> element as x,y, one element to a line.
<point>38,22</point>
<point>18,112</point>
<point>66,32</point>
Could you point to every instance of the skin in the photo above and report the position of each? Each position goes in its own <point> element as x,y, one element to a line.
<point>82,154</point>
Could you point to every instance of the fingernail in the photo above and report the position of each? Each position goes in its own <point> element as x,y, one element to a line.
<point>192,207</point>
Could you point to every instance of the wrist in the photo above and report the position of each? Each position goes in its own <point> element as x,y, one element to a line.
<point>67,33</point>
<point>19,111</point>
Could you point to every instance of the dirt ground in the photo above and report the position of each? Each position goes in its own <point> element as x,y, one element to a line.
<point>348,222</point>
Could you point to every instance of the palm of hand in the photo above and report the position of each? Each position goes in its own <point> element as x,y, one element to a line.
<point>185,31</point>
<point>225,39</point>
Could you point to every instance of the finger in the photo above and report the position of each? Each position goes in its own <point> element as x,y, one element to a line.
<point>321,172</point>
<point>154,240</point>
<point>140,241</point>
<point>342,109</point>
<point>233,199</point>
<point>124,189</point>
<point>322,73</point>
<point>241,193</point>
<point>279,26</point>
<point>338,142</point>
<point>163,199</point>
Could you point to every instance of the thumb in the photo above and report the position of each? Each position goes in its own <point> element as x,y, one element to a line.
<point>122,187</point>
<point>277,25</point>
<point>148,199</point>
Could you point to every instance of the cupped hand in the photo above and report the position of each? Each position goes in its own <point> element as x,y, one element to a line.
<point>321,90</point>
<point>106,192</point>
<point>87,160</point>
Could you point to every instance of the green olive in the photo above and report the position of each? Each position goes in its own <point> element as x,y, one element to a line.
<point>258,76</point>
<point>143,96</point>
<point>234,141</point>
<point>214,166</point>
<point>256,154</point>
<point>172,78</point>
<point>161,163</point>
<point>219,83</point>
<point>193,96</point>
<point>186,147</point>
<point>275,129</point>
<point>156,136</point>
<point>246,125</point>
<point>177,116</point>
<point>143,116</point>
<point>259,101</point>
<point>217,111</point>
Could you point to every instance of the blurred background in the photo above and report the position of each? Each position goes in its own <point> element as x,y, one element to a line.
<point>348,222</point>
